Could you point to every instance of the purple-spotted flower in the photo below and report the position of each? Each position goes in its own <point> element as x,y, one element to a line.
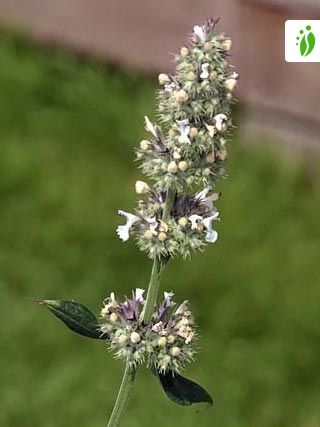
<point>165,344</point>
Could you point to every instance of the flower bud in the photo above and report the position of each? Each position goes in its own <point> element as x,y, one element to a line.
<point>122,339</point>
<point>181,96</point>
<point>213,75</point>
<point>172,133</point>
<point>113,317</point>
<point>199,227</point>
<point>172,167</point>
<point>163,226</point>
<point>183,165</point>
<point>166,359</point>
<point>230,84</point>
<point>171,339</point>
<point>207,46</point>
<point>144,144</point>
<point>148,234</point>
<point>206,172</point>
<point>162,341</point>
<point>162,236</point>
<point>227,44</point>
<point>183,221</point>
<point>134,337</point>
<point>163,79</point>
<point>193,132</point>
<point>222,154</point>
<point>175,351</point>
<point>210,158</point>
<point>191,76</point>
<point>141,187</point>
<point>184,51</point>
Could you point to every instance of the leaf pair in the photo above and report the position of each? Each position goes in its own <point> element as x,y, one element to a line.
<point>81,320</point>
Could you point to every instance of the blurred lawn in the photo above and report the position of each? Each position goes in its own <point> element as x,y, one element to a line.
<point>67,131</point>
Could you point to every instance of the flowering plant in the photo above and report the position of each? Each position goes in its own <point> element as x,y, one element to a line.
<point>184,156</point>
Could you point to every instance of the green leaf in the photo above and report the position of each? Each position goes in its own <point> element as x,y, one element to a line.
<point>183,391</point>
<point>76,317</point>
<point>307,44</point>
<point>303,46</point>
<point>312,41</point>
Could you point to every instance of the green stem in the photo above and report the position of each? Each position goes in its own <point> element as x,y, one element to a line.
<point>153,290</point>
<point>123,396</point>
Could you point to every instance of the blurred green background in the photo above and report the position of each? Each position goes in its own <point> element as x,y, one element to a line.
<point>68,127</point>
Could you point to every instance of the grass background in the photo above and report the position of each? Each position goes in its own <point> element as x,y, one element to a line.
<point>68,127</point>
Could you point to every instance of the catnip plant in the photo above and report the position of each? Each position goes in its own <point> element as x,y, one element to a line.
<point>183,158</point>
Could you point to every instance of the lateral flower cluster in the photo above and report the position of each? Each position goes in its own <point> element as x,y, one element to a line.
<point>165,344</point>
<point>188,150</point>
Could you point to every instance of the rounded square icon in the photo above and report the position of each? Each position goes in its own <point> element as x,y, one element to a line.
<point>302,41</point>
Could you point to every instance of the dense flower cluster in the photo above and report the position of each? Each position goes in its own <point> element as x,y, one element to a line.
<point>166,343</point>
<point>194,108</point>
<point>189,227</point>
<point>188,150</point>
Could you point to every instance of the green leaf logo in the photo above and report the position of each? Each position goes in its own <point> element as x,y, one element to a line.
<point>306,41</point>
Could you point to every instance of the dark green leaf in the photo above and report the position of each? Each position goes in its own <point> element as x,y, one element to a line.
<point>183,391</point>
<point>76,317</point>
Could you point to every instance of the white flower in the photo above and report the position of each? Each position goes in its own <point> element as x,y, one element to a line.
<point>184,129</point>
<point>176,155</point>
<point>203,198</point>
<point>182,307</point>
<point>138,295</point>
<point>205,71</point>
<point>158,327</point>
<point>211,235</point>
<point>168,296</point>
<point>153,224</point>
<point>194,221</point>
<point>200,32</point>
<point>150,127</point>
<point>170,87</point>
<point>221,122</point>
<point>123,230</point>
<point>211,130</point>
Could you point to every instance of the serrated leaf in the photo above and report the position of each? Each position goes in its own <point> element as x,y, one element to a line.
<point>76,317</point>
<point>183,391</point>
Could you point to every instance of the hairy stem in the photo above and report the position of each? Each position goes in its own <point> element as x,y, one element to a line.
<point>123,396</point>
<point>153,290</point>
